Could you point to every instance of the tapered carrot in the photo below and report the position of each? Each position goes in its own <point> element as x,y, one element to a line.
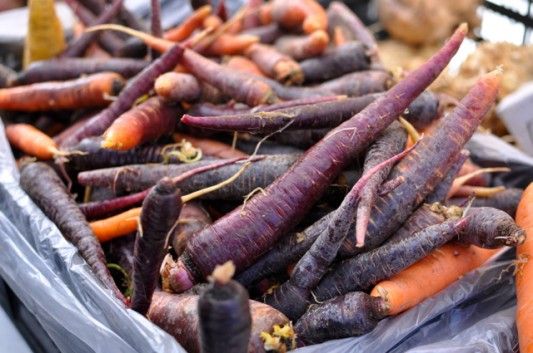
<point>31,141</point>
<point>243,64</point>
<point>85,92</point>
<point>299,14</point>
<point>146,122</point>
<point>187,27</point>
<point>275,64</point>
<point>444,266</point>
<point>231,44</point>
<point>256,227</point>
<point>178,87</point>
<point>301,48</point>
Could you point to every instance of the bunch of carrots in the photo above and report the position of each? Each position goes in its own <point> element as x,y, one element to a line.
<point>268,154</point>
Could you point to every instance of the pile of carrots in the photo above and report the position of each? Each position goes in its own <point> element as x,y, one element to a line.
<point>260,180</point>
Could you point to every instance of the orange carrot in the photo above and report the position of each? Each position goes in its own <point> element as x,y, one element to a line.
<point>524,273</point>
<point>211,147</point>
<point>229,44</point>
<point>339,38</point>
<point>212,21</point>
<point>295,14</point>
<point>444,266</point>
<point>31,141</point>
<point>185,29</point>
<point>84,92</point>
<point>116,226</point>
<point>243,64</point>
<point>265,13</point>
<point>300,48</point>
<point>158,44</point>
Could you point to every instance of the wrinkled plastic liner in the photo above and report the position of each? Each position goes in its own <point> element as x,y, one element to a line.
<point>476,314</point>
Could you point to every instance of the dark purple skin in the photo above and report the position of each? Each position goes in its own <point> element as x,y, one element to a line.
<point>420,219</point>
<point>47,190</point>
<point>294,296</point>
<point>141,84</point>
<point>70,68</point>
<point>186,88</point>
<point>7,76</point>
<point>110,42</point>
<point>441,190</point>
<point>221,10</point>
<point>506,201</point>
<point>321,114</point>
<point>341,15</point>
<point>336,62</point>
<point>353,314</point>
<point>225,321</point>
<point>354,84</point>
<point>491,228</point>
<point>79,46</point>
<point>425,167</point>
<point>267,147</point>
<point>193,218</point>
<point>249,231</point>
<point>365,270</point>
<point>155,19</point>
<point>267,34</point>
<point>302,139</point>
<point>96,157</point>
<point>160,210</point>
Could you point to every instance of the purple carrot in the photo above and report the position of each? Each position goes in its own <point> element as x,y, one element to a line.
<point>160,211</point>
<point>251,18</point>
<point>425,168</point>
<point>365,270</point>
<point>69,68</point>
<point>491,228</point>
<point>98,209</point>
<point>425,112</point>
<point>80,45</point>
<point>155,19</point>
<point>47,190</point>
<point>350,315</point>
<point>294,296</point>
<point>109,41</point>
<point>249,231</point>
<point>441,190</point>
<point>320,114</point>
<point>193,218</point>
<point>136,87</point>
<point>391,142</point>
<point>506,201</point>
<point>336,62</point>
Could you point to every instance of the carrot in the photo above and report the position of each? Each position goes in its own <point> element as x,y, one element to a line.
<point>119,225</point>
<point>425,216</point>
<point>294,296</point>
<point>45,188</point>
<point>265,13</point>
<point>125,16</point>
<point>221,10</point>
<point>109,41</point>
<point>524,254</point>
<point>212,21</point>
<point>224,315</point>
<point>240,87</point>
<point>210,147</point>
<point>441,190</point>
<point>267,34</point>
<point>444,266</point>
<point>93,156</point>
<point>155,19</point>
<point>422,174</point>
<point>64,69</point>
<point>391,142</point>
<point>178,315</point>
<point>251,18</point>
<point>31,141</point>
<point>160,210</point>
<point>365,270</point>
<point>340,15</point>
<point>144,123</point>
<point>178,87</point>
<point>309,177</point>
<point>189,25</point>
<point>158,44</point>
<point>303,47</point>
<point>135,88</point>
<point>491,228</point>
<point>321,114</point>
<point>506,201</point>
<point>243,64</point>
<point>85,92</point>
<point>193,218</point>
<point>336,62</point>
<point>299,14</point>
<point>231,44</point>
<point>353,314</point>
<point>80,45</point>
<point>276,65</point>
<point>339,37</point>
